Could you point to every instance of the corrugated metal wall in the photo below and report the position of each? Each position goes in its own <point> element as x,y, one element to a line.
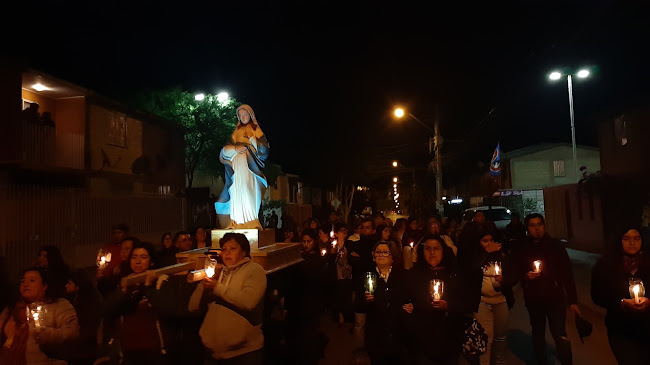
<point>76,221</point>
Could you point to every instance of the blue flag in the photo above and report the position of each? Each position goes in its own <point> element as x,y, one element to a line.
<point>495,163</point>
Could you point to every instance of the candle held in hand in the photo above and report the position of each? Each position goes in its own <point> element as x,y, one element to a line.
<point>497,270</point>
<point>636,289</point>
<point>334,243</point>
<point>331,234</point>
<point>323,252</point>
<point>538,266</point>
<point>411,244</point>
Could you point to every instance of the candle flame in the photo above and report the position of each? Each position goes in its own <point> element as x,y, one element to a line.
<point>334,243</point>
<point>209,272</point>
<point>108,257</point>
<point>636,289</point>
<point>411,244</point>
<point>496,269</point>
<point>323,252</point>
<point>102,260</point>
<point>537,263</point>
<point>332,234</point>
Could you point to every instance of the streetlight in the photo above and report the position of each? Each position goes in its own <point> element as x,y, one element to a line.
<point>395,179</point>
<point>437,144</point>
<point>222,97</point>
<point>395,163</point>
<point>556,75</point>
<point>199,97</point>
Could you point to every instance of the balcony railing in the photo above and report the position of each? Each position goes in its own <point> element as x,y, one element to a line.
<point>46,146</point>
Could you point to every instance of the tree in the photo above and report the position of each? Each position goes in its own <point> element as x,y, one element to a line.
<point>208,125</point>
<point>345,195</point>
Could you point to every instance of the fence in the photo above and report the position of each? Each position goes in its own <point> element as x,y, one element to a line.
<point>77,221</point>
<point>45,145</point>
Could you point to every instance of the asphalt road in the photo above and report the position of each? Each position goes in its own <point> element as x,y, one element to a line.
<point>595,349</point>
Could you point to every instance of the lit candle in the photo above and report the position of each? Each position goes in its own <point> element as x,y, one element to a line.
<point>411,244</point>
<point>209,272</point>
<point>370,283</point>
<point>636,290</point>
<point>331,234</point>
<point>334,243</point>
<point>538,266</point>
<point>210,267</point>
<point>436,289</point>
<point>323,252</point>
<point>103,259</point>
<point>496,269</point>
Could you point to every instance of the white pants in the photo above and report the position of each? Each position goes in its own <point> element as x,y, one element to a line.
<point>494,319</point>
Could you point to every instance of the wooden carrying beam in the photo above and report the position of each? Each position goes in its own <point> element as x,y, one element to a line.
<point>169,270</point>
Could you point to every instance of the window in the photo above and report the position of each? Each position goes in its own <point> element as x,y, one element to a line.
<point>117,130</point>
<point>558,168</point>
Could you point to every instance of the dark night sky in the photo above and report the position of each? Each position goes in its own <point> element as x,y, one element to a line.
<point>323,79</point>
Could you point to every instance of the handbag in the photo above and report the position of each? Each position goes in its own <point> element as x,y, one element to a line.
<point>475,339</point>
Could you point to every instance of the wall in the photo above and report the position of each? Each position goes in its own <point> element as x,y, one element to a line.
<point>164,149</point>
<point>45,104</point>
<point>535,171</point>
<point>575,217</point>
<point>71,115</point>
<point>632,158</point>
<point>118,159</point>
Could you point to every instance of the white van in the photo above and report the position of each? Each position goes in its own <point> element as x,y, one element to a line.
<point>495,213</point>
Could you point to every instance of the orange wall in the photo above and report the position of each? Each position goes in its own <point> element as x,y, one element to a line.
<point>45,104</point>
<point>70,115</point>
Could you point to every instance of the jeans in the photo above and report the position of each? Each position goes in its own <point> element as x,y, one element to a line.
<point>359,330</point>
<point>494,319</point>
<point>555,312</point>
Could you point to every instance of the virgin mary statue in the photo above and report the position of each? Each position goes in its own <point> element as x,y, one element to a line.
<point>243,157</point>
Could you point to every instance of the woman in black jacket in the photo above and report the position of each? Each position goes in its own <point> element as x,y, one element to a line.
<point>384,335</point>
<point>437,326</point>
<point>627,321</point>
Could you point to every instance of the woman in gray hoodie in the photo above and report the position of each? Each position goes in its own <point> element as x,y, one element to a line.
<point>232,328</point>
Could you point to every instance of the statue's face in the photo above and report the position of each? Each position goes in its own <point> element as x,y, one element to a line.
<point>244,117</point>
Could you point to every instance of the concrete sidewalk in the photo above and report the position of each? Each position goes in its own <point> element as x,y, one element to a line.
<point>595,350</point>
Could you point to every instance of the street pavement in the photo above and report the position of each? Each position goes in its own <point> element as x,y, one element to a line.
<point>595,349</point>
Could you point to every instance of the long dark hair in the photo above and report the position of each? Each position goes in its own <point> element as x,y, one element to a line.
<point>618,245</point>
<point>447,253</point>
<point>55,262</point>
<point>150,250</point>
<point>313,233</point>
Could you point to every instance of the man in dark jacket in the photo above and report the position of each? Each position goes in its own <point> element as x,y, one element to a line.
<point>546,276</point>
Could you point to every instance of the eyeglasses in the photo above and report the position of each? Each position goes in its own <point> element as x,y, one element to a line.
<point>382,253</point>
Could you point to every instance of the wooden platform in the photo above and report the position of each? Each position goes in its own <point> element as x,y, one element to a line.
<point>272,258</point>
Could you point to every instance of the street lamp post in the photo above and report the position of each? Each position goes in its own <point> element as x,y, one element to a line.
<point>556,75</point>
<point>436,141</point>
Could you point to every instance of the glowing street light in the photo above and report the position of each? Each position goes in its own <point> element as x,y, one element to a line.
<point>222,97</point>
<point>399,112</point>
<point>556,75</point>
<point>395,163</point>
<point>199,97</point>
<point>395,179</point>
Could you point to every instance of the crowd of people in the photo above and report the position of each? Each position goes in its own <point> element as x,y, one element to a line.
<point>413,291</point>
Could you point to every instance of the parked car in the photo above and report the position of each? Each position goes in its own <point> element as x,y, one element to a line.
<point>495,213</point>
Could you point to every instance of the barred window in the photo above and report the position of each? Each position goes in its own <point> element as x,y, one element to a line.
<point>558,168</point>
<point>117,130</point>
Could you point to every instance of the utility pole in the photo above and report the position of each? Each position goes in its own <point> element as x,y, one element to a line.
<point>437,144</point>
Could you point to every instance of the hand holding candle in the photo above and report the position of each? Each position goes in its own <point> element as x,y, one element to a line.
<point>103,259</point>
<point>538,266</point>
<point>323,252</point>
